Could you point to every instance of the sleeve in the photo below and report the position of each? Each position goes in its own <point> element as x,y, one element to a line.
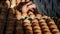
<point>48,7</point>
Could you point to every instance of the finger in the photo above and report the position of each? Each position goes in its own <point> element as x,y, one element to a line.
<point>29,3</point>
<point>13,3</point>
<point>23,0</point>
<point>27,0</point>
<point>24,9</point>
<point>31,9</point>
<point>32,6</point>
<point>18,2</point>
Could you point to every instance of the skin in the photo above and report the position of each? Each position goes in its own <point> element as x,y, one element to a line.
<point>25,0</point>
<point>18,2</point>
<point>13,3</point>
<point>25,8</point>
<point>28,6</point>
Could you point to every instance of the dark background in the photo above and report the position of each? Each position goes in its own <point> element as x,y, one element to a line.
<point>49,7</point>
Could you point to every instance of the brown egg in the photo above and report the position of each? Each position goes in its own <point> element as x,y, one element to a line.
<point>35,24</point>
<point>45,27</point>
<point>35,20</point>
<point>28,27</point>
<point>27,22</point>
<point>36,27</point>
<point>37,31</point>
<point>42,21</point>
<point>44,16</point>
<point>50,20</point>
<point>47,33</point>
<point>55,30</point>
<point>43,24</point>
<point>46,30</point>
<point>57,33</point>
<point>53,26</point>
<point>38,16</point>
<point>30,13</point>
<point>32,16</point>
<point>29,32</point>
<point>51,23</point>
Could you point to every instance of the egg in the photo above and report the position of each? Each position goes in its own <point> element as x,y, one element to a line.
<point>53,26</point>
<point>47,33</point>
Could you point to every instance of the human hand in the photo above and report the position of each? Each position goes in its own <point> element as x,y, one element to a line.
<point>28,6</point>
